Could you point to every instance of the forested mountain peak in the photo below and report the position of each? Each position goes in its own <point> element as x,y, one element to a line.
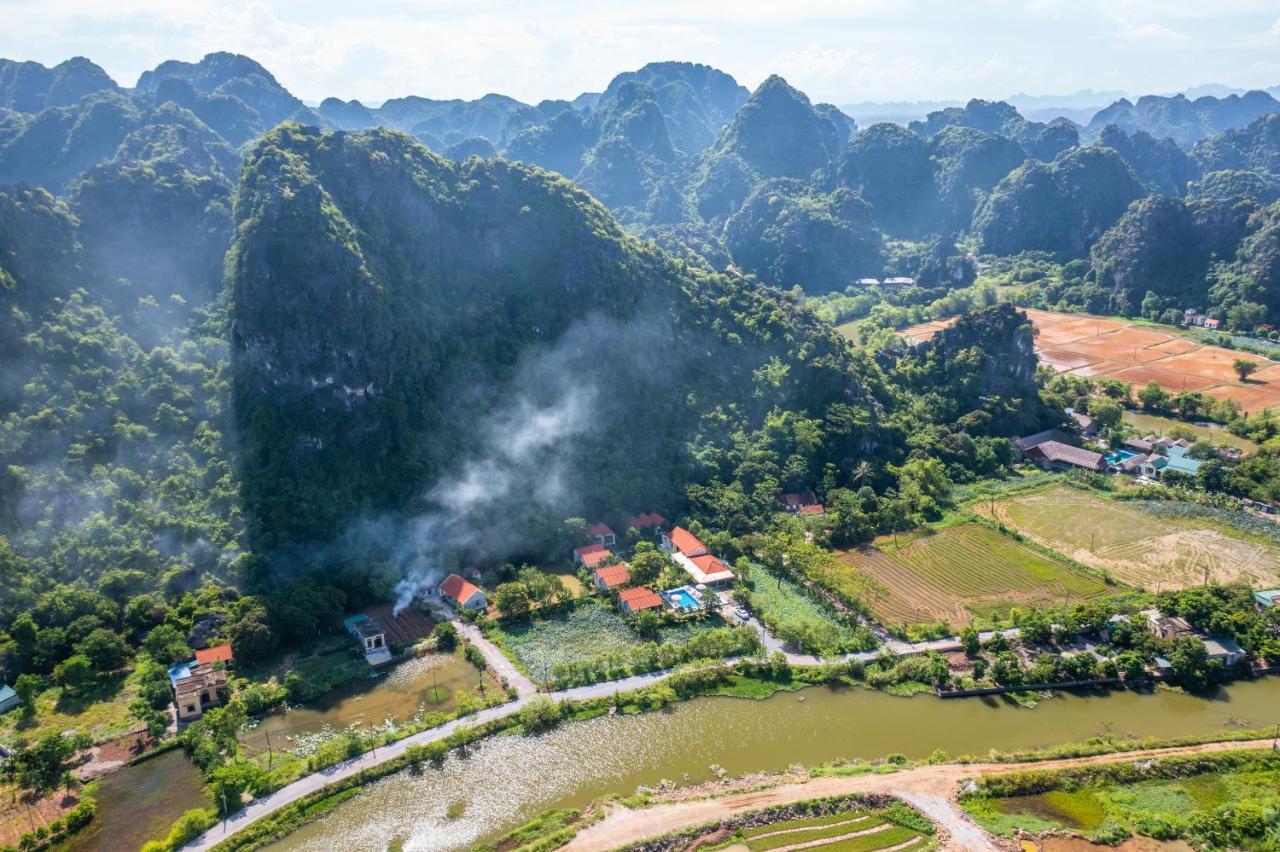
<point>370,277</point>
<point>1184,120</point>
<point>777,132</point>
<point>31,87</point>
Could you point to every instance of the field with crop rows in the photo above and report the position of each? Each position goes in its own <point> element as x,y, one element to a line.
<point>1141,548</point>
<point>962,573</point>
<point>849,831</point>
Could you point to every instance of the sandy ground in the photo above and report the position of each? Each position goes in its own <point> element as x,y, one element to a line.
<point>932,789</point>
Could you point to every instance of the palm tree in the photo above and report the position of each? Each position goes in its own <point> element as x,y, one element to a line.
<point>863,471</point>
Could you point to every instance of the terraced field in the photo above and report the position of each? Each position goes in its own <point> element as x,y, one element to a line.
<point>1137,547</point>
<point>962,573</point>
<point>848,831</point>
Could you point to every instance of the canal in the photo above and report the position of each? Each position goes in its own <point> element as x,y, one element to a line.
<point>506,780</point>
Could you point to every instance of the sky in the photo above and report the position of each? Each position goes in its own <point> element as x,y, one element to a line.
<point>839,51</point>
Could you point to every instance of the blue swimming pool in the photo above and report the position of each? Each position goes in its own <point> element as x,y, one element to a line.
<point>1119,456</point>
<point>683,599</point>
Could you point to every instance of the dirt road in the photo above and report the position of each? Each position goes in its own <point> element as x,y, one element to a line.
<point>930,788</point>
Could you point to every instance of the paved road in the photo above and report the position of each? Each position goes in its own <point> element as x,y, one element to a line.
<point>525,691</point>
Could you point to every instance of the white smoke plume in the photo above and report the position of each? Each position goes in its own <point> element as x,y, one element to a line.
<point>523,456</point>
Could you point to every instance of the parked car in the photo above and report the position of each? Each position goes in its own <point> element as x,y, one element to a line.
<point>742,613</point>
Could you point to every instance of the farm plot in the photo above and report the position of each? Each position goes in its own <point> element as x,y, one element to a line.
<point>848,831</point>
<point>578,634</point>
<point>1134,546</point>
<point>963,573</point>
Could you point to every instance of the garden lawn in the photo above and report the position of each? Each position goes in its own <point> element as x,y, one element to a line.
<point>777,600</point>
<point>102,712</point>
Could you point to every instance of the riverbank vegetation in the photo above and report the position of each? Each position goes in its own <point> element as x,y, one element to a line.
<point>1225,800</point>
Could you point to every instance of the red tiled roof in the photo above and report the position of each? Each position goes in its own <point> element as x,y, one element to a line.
<point>709,564</point>
<point>457,589</point>
<point>613,575</point>
<point>812,509</point>
<point>599,529</point>
<point>687,543</point>
<point>592,555</point>
<point>644,520</point>
<point>216,654</point>
<point>639,598</point>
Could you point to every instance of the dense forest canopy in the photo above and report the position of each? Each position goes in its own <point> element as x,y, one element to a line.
<point>244,341</point>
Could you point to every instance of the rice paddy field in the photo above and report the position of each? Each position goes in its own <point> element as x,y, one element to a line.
<point>846,831</point>
<point>961,574</point>
<point>1154,551</point>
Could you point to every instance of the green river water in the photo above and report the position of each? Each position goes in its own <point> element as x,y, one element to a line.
<point>506,780</point>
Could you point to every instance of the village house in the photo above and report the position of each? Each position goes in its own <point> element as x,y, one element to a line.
<point>602,534</point>
<point>197,687</point>
<point>1265,600</point>
<point>1088,425</point>
<point>1140,445</point>
<point>1211,323</point>
<point>647,522</point>
<point>680,540</point>
<point>1054,455</point>
<point>1029,442</point>
<point>801,503</point>
<point>1167,626</point>
<point>591,556</point>
<point>692,555</point>
<point>638,599</point>
<point>372,637</point>
<point>1224,649</point>
<point>708,570</point>
<point>8,698</point>
<point>611,577</point>
<point>461,594</point>
<point>899,282</point>
<point>868,282</point>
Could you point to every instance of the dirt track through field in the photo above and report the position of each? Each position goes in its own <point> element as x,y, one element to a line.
<point>931,788</point>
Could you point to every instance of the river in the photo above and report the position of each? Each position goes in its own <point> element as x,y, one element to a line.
<point>506,780</point>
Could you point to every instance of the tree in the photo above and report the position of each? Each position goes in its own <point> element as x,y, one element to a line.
<point>542,712</point>
<point>1244,368</point>
<point>41,766</point>
<point>512,599</point>
<point>446,636</point>
<point>251,638</point>
<point>152,719</point>
<point>647,563</point>
<point>647,623</point>
<point>1106,411</point>
<point>970,641</point>
<point>28,688</point>
<point>1153,397</point>
<point>105,649</point>
<point>1191,664</point>
<point>862,471</point>
<point>166,645</point>
<point>75,672</point>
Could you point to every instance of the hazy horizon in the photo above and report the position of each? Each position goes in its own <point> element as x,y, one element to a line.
<point>840,52</point>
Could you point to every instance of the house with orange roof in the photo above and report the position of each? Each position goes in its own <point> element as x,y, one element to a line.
<point>461,593</point>
<point>591,556</point>
<point>602,534</point>
<point>681,541</point>
<point>798,501</point>
<point>638,599</point>
<point>611,577</point>
<point>647,521</point>
<point>215,654</point>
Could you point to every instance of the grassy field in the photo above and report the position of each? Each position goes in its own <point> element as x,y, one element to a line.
<point>778,601</point>
<point>1134,546</point>
<point>963,573</point>
<point>847,831</point>
<point>1153,423</point>
<point>101,712</point>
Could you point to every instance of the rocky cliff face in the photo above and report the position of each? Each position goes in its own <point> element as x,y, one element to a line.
<point>388,303</point>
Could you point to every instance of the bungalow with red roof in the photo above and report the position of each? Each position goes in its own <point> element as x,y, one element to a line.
<point>647,521</point>
<point>462,594</point>
<point>592,556</point>
<point>680,540</point>
<point>708,570</point>
<point>638,599</point>
<point>216,654</point>
<point>602,534</point>
<point>612,576</point>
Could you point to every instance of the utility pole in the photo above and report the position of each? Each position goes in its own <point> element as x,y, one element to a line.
<point>270,753</point>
